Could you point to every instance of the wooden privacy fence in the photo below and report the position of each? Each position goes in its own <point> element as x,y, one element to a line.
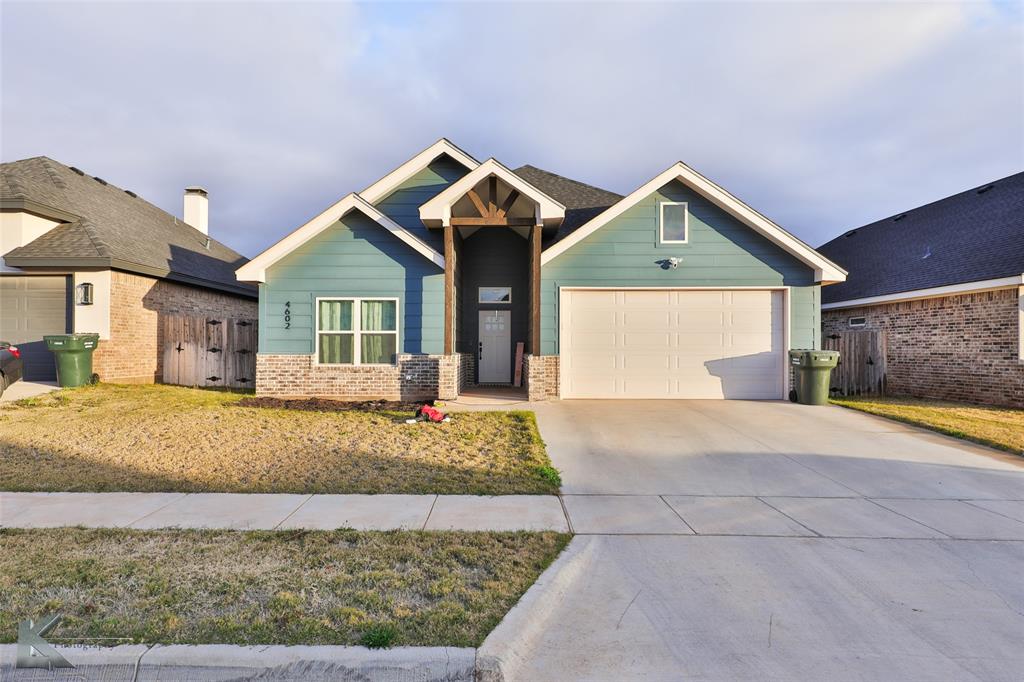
<point>861,369</point>
<point>206,351</point>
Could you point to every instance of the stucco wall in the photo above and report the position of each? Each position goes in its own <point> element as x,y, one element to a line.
<point>964,348</point>
<point>18,228</point>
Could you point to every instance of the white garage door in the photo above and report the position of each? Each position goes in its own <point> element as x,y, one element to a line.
<point>672,344</point>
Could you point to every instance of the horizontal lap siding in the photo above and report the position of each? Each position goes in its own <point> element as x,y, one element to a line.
<point>355,257</point>
<point>721,252</point>
<point>358,257</point>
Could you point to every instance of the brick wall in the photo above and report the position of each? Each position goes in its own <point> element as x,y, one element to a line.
<point>413,377</point>
<point>951,348</point>
<point>541,374</point>
<point>134,352</point>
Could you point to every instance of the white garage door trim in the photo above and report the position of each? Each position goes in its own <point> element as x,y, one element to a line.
<point>563,305</point>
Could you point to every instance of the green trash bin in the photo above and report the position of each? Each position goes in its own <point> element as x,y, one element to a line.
<point>812,370</point>
<point>73,353</point>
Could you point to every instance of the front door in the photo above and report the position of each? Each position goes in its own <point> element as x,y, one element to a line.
<point>495,352</point>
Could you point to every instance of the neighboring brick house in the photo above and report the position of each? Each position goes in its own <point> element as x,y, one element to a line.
<point>945,284</point>
<point>428,281</point>
<point>78,254</point>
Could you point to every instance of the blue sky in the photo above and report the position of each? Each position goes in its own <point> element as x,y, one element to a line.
<point>823,116</point>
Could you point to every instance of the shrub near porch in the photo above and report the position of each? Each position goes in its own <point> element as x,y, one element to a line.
<point>166,438</point>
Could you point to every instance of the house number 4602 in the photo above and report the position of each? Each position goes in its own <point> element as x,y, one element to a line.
<point>288,315</point>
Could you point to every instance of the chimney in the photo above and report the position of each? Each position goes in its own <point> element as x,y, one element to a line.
<point>197,209</point>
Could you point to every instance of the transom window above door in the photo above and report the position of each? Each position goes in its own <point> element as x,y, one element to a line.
<point>356,331</point>
<point>495,295</point>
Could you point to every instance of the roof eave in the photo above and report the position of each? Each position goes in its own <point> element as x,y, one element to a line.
<point>38,208</point>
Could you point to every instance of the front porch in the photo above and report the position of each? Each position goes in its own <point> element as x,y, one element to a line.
<point>493,226</point>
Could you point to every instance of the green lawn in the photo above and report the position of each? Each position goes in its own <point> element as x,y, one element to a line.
<point>998,427</point>
<point>230,587</point>
<point>169,438</point>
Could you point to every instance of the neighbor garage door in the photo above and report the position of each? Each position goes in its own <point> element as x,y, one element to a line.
<point>30,308</point>
<point>672,344</point>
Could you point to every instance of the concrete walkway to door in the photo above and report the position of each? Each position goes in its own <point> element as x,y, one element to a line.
<point>765,540</point>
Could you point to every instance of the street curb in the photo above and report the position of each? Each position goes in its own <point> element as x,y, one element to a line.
<point>138,663</point>
<point>509,645</point>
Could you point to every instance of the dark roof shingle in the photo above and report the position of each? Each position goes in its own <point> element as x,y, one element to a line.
<point>582,201</point>
<point>971,236</point>
<point>114,225</point>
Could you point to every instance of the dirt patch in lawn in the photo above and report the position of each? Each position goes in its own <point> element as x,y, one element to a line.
<point>997,427</point>
<point>198,587</point>
<point>326,405</point>
<point>167,438</point>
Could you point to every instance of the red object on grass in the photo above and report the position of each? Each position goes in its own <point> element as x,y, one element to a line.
<point>430,413</point>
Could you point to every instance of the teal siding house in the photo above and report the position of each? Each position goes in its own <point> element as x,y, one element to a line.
<point>449,274</point>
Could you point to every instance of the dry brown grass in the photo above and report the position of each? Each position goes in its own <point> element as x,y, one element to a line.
<point>168,438</point>
<point>195,587</point>
<point>998,427</point>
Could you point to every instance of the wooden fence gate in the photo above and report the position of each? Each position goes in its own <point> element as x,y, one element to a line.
<point>861,369</point>
<point>204,351</point>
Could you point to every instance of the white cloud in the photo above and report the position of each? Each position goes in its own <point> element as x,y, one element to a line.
<point>822,115</point>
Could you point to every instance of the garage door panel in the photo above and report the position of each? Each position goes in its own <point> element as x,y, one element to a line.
<point>30,308</point>
<point>646,387</point>
<point>646,341</point>
<point>673,344</point>
<point>646,319</point>
<point>700,319</point>
<point>647,299</point>
<point>593,319</point>
<point>593,361</point>
<point>583,340</point>
<point>638,362</point>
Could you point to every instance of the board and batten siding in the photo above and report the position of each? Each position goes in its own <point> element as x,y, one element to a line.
<point>721,251</point>
<point>355,257</point>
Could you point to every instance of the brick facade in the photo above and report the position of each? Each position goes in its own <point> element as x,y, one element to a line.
<point>541,374</point>
<point>413,377</point>
<point>963,347</point>
<point>134,352</point>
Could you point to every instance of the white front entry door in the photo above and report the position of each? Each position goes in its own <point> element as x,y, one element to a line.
<point>494,354</point>
<point>672,344</point>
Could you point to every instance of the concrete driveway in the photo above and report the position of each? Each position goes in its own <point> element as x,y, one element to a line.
<point>765,540</point>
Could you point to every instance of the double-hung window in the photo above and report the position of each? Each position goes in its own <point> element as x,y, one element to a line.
<point>356,331</point>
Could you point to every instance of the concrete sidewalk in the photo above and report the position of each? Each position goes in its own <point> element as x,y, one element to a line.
<point>282,511</point>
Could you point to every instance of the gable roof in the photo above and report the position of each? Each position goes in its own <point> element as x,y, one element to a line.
<point>105,226</point>
<point>392,180</point>
<point>434,211</point>
<point>256,269</point>
<point>825,270</point>
<point>582,201</point>
<point>972,236</point>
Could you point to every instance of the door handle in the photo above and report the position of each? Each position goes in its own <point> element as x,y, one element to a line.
<point>480,355</point>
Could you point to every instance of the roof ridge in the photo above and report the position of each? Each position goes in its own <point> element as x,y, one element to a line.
<point>885,221</point>
<point>52,172</point>
<point>97,242</point>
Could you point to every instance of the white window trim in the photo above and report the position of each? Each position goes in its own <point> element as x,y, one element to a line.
<point>480,300</point>
<point>661,222</point>
<point>850,323</point>
<point>357,318</point>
